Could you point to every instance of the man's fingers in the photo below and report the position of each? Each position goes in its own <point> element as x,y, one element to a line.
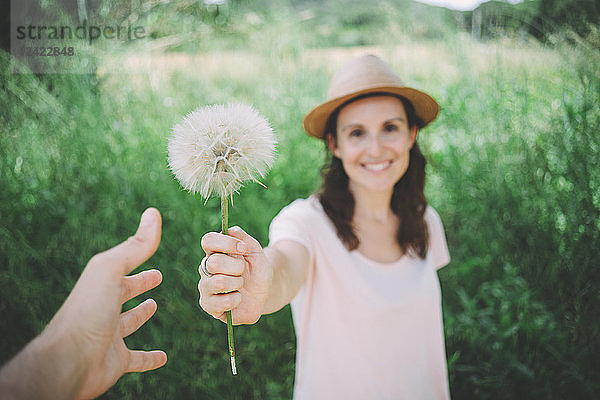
<point>140,361</point>
<point>138,248</point>
<point>133,319</point>
<point>139,283</point>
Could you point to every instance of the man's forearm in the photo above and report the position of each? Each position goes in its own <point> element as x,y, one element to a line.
<point>44,369</point>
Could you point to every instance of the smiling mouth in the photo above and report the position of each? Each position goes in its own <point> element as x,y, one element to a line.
<point>376,167</point>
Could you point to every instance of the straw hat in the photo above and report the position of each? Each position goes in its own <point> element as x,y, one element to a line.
<point>363,75</point>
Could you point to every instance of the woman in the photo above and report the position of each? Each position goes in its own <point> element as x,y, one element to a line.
<point>358,260</point>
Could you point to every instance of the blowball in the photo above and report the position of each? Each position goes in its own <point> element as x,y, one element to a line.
<point>217,147</point>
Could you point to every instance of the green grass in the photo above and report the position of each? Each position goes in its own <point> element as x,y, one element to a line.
<point>513,171</point>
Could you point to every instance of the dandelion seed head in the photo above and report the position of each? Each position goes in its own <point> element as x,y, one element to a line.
<point>216,148</point>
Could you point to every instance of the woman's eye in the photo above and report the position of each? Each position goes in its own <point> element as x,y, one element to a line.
<point>356,133</point>
<point>390,128</point>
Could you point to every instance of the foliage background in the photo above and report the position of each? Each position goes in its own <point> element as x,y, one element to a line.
<point>513,171</point>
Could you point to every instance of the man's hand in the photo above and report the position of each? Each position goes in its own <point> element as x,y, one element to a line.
<point>81,353</point>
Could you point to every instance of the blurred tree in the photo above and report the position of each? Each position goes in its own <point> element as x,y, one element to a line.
<point>577,15</point>
<point>539,18</point>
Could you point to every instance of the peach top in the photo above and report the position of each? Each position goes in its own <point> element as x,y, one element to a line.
<point>365,330</point>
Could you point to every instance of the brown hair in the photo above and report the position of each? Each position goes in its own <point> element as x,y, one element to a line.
<point>408,198</point>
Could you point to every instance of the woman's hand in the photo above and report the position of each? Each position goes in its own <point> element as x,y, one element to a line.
<point>239,276</point>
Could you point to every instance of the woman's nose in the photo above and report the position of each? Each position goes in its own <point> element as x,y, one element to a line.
<point>374,144</point>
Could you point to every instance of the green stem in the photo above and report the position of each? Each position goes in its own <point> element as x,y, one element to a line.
<point>224,230</point>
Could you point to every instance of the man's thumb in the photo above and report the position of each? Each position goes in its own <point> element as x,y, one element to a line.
<point>126,256</point>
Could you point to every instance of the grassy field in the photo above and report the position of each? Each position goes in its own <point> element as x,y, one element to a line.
<point>513,171</point>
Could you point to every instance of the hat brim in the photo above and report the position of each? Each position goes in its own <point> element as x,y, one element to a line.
<point>426,107</point>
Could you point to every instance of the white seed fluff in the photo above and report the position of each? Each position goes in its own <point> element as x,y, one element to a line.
<point>217,147</point>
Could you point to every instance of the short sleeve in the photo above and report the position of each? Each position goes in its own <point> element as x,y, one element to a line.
<point>438,248</point>
<point>290,224</point>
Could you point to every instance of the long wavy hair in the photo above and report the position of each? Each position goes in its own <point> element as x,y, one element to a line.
<point>408,199</point>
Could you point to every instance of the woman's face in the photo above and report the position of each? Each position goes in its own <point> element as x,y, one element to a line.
<point>373,143</point>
